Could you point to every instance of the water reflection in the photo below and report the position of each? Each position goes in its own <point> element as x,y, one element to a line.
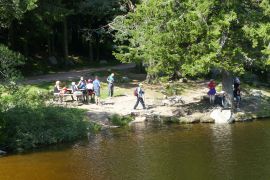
<point>222,144</point>
<point>154,151</point>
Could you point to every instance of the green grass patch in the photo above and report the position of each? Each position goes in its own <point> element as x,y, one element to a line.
<point>118,120</point>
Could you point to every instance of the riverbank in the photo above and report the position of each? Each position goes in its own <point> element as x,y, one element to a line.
<point>192,106</point>
<point>181,102</point>
<point>178,102</point>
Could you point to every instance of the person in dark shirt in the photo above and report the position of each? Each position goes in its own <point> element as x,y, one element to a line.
<point>237,96</point>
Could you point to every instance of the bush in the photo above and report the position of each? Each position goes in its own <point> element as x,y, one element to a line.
<point>27,122</point>
<point>27,127</point>
<point>9,63</point>
<point>120,120</point>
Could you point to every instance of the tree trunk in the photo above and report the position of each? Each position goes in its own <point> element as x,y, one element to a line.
<point>25,48</point>
<point>65,38</point>
<point>49,46</point>
<point>139,66</point>
<point>227,86</point>
<point>91,57</point>
<point>97,51</point>
<point>53,43</point>
<point>11,35</point>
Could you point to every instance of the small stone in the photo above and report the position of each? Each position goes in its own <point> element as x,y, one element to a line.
<point>2,153</point>
<point>103,62</point>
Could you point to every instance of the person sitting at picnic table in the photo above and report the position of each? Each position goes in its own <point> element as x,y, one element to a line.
<point>58,91</point>
<point>57,88</point>
<point>82,83</point>
<point>90,88</point>
<point>75,90</point>
<point>82,87</point>
<point>96,85</point>
<point>212,91</point>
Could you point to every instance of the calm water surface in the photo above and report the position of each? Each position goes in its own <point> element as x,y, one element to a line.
<point>153,151</point>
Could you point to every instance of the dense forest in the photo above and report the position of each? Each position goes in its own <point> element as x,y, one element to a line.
<point>57,34</point>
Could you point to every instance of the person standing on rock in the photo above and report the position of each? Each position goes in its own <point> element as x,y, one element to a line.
<point>110,81</point>
<point>96,85</point>
<point>139,93</point>
<point>212,91</point>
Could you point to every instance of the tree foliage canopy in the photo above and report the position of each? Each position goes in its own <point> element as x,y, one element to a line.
<point>14,9</point>
<point>194,36</point>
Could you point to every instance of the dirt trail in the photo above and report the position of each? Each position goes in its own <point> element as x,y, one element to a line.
<point>73,74</point>
<point>124,104</point>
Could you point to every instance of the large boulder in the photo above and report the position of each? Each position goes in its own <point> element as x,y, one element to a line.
<point>139,119</point>
<point>222,115</point>
<point>189,120</point>
<point>52,60</point>
<point>173,101</point>
<point>2,153</point>
<point>256,93</point>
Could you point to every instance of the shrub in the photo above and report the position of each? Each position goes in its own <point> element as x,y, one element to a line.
<point>26,122</point>
<point>120,120</point>
<point>28,127</point>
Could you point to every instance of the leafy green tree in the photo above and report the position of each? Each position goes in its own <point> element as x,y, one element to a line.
<point>14,9</point>
<point>9,63</point>
<point>195,36</point>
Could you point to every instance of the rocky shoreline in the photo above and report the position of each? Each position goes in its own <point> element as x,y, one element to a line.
<point>174,109</point>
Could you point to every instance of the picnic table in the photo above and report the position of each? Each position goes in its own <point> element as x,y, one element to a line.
<point>68,92</point>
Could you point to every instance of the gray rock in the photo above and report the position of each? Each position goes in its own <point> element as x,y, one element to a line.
<point>103,62</point>
<point>183,80</point>
<point>2,153</point>
<point>69,62</point>
<point>172,101</point>
<point>52,60</point>
<point>125,79</point>
<point>221,116</point>
<point>206,119</point>
<point>138,120</point>
<point>256,93</point>
<point>189,120</point>
<point>178,112</point>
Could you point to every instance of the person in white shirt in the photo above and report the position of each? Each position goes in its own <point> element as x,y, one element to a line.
<point>90,88</point>
<point>139,92</point>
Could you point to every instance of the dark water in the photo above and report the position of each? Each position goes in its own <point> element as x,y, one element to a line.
<point>158,152</point>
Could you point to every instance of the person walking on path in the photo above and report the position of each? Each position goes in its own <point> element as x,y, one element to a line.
<point>212,91</point>
<point>110,81</point>
<point>139,92</point>
<point>96,85</point>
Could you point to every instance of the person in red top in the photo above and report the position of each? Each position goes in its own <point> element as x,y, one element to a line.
<point>212,91</point>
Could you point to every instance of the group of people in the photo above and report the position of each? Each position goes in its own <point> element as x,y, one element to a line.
<point>85,88</point>
<point>236,91</point>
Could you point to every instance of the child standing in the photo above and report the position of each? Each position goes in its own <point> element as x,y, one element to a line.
<point>212,91</point>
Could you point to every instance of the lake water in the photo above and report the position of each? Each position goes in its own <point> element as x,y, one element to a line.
<point>153,151</point>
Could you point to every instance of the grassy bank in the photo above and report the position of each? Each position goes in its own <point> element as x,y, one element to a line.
<point>26,122</point>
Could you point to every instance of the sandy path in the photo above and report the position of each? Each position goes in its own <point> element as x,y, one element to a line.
<point>73,74</point>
